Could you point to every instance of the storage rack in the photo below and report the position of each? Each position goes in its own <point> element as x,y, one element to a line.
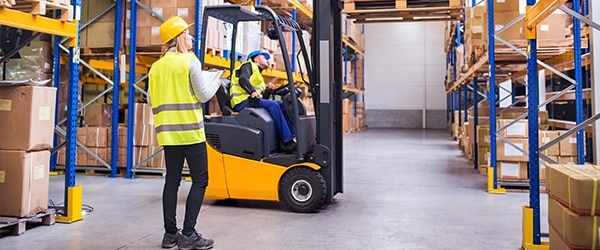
<point>536,12</point>
<point>136,77</point>
<point>68,27</point>
<point>137,67</point>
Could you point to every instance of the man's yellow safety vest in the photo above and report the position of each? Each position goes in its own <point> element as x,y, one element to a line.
<point>178,118</point>
<point>237,93</point>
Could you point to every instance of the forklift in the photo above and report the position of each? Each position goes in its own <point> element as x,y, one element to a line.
<point>243,160</point>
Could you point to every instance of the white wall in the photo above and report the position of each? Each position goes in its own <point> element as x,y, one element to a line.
<point>405,66</point>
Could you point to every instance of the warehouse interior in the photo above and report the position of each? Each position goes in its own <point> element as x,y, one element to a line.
<point>420,124</point>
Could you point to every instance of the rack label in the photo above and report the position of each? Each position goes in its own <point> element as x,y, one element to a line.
<point>38,172</point>
<point>5,105</point>
<point>44,113</point>
<point>2,176</point>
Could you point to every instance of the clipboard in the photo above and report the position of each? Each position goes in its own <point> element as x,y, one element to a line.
<point>208,76</point>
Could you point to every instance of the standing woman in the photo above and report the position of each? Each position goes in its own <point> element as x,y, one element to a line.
<point>176,94</point>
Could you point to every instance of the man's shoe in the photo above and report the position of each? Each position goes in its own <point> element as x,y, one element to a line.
<point>194,241</point>
<point>170,240</point>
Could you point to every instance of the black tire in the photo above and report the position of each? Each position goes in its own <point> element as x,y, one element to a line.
<point>302,190</point>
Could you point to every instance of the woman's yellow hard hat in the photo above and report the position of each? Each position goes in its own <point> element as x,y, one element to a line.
<point>171,28</point>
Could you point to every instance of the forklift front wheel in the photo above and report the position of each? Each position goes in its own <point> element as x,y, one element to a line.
<point>302,190</point>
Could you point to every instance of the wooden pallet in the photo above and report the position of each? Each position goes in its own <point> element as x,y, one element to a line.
<point>406,15</point>
<point>17,226</point>
<point>39,7</point>
<point>214,51</point>
<point>398,4</point>
<point>519,186</point>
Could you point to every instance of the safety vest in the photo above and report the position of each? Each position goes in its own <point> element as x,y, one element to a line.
<point>237,93</point>
<point>178,118</point>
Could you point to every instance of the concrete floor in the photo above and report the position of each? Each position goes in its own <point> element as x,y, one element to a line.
<point>404,189</point>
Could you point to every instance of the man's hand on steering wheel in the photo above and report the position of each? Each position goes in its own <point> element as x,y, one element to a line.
<point>255,94</point>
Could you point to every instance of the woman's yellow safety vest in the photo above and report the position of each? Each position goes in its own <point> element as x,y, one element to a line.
<point>237,93</point>
<point>178,117</point>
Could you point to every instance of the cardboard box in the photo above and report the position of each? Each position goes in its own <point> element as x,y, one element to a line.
<point>82,157</point>
<point>502,18</point>
<point>574,186</point>
<point>102,153</point>
<point>122,143</point>
<point>482,169</point>
<point>506,5</point>
<point>568,146</point>
<point>345,106</point>
<point>568,160</point>
<point>98,114</point>
<point>107,39</point>
<point>97,136</point>
<point>122,157</point>
<point>142,134</point>
<point>23,182</point>
<point>553,27</point>
<point>507,152</point>
<point>27,118</point>
<point>548,136</point>
<point>556,240</point>
<point>139,154</point>
<point>543,165</point>
<point>81,135</point>
<point>483,135</point>
<point>517,130</point>
<point>157,161</point>
<point>483,156</point>
<point>164,3</point>
<point>509,170</point>
<point>143,114</point>
<point>577,231</point>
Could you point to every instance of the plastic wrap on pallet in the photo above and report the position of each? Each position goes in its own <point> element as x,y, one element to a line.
<point>32,64</point>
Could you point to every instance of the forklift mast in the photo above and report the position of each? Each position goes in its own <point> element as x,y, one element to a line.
<point>326,47</point>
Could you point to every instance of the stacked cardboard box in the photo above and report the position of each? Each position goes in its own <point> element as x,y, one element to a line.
<point>573,207</point>
<point>360,115</point>
<point>346,115</point>
<point>551,30</point>
<point>143,132</point>
<point>474,35</point>
<point>147,24</point>
<point>350,120</point>
<point>104,25</point>
<point>512,163</point>
<point>27,132</point>
<point>354,31</point>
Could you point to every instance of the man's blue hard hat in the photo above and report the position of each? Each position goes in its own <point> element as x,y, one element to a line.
<point>259,52</point>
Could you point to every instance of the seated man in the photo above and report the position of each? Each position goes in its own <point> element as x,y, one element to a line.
<point>248,88</point>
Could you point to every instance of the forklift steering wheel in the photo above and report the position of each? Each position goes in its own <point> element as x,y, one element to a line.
<point>282,90</point>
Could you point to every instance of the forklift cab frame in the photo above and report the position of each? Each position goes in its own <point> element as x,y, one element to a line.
<point>305,180</point>
<point>234,14</point>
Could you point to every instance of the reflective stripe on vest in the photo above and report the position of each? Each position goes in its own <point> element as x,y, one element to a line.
<point>237,93</point>
<point>178,117</point>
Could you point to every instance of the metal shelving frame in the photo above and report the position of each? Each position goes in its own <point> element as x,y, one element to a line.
<point>536,12</point>
<point>70,31</point>
<point>119,71</point>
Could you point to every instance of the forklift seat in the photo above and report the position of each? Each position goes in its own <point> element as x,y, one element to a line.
<point>223,97</point>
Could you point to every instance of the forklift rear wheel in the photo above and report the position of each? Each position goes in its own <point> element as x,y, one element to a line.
<point>302,190</point>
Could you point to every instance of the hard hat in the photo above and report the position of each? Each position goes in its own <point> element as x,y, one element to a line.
<point>259,52</point>
<point>171,28</point>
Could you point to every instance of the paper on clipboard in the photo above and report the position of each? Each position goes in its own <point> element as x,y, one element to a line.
<point>207,77</point>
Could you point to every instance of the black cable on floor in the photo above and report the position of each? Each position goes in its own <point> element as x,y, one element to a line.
<point>60,208</point>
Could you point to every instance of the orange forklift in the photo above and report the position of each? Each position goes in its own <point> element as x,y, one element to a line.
<point>243,158</point>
